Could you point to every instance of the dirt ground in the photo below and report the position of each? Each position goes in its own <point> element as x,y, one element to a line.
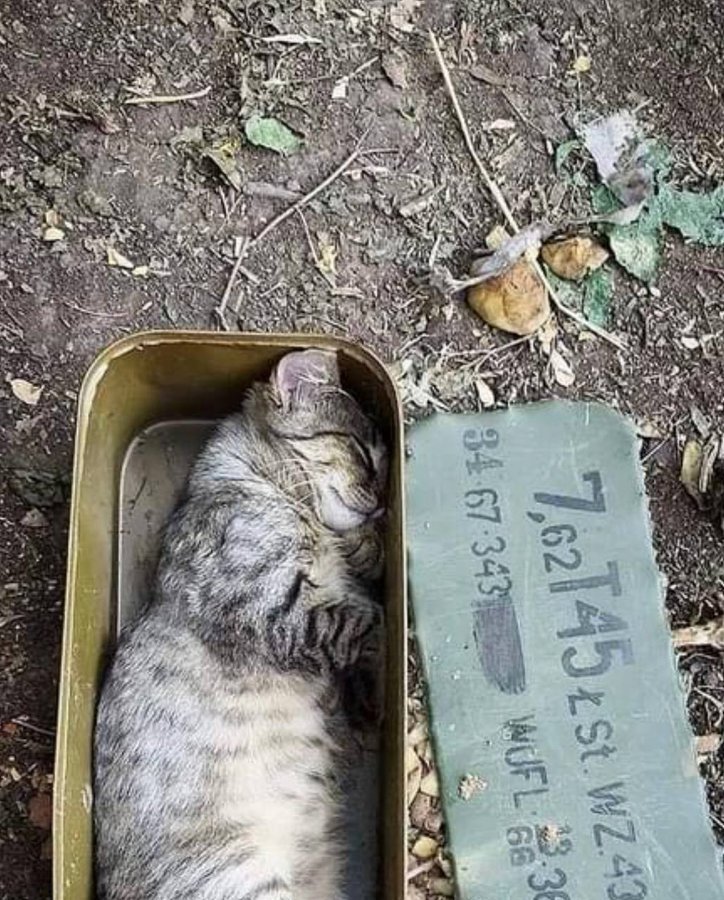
<point>75,157</point>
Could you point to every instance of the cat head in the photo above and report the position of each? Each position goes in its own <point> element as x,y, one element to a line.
<point>326,430</point>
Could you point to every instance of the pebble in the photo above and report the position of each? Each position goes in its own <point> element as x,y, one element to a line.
<point>442,886</point>
<point>424,847</point>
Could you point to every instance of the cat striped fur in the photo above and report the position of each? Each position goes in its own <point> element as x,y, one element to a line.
<point>233,700</point>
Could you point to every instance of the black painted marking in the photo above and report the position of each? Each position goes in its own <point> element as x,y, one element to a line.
<point>498,642</point>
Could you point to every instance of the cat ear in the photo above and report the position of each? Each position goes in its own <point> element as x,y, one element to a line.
<point>298,375</point>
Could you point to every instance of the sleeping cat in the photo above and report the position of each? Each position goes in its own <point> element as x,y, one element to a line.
<point>233,699</point>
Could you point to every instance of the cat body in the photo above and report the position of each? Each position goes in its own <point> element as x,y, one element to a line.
<point>233,700</point>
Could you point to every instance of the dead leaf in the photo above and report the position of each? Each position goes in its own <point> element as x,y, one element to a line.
<point>401,15</point>
<point>700,421</point>
<point>394,65</point>
<point>485,393</point>
<point>430,784</point>
<point>40,811</point>
<point>573,258</point>
<point>515,301</point>
<point>499,125</point>
<point>116,259</point>
<point>53,234</point>
<point>420,808</point>
<point>419,204</point>
<point>327,253</point>
<point>186,12</point>
<point>547,334</point>
<point>691,469</point>
<point>443,887</point>
<point>25,391</point>
<point>527,241</point>
<point>339,91</point>
<point>648,430</point>
<point>561,369</point>
<point>615,144</point>
<point>488,75</point>
<point>224,158</point>
<point>33,518</point>
<point>707,744</point>
<point>496,237</point>
<point>295,40</point>
<point>708,634</point>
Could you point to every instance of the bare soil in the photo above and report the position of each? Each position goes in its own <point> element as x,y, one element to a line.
<point>74,156</point>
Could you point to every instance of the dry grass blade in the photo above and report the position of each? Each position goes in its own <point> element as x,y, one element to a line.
<point>502,203</point>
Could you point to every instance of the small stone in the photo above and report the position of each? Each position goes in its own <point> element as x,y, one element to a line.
<point>53,234</point>
<point>442,886</point>
<point>424,847</point>
<point>420,808</point>
<point>574,257</point>
<point>515,301</point>
<point>33,518</point>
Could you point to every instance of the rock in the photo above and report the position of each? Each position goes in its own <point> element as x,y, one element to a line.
<point>425,847</point>
<point>573,258</point>
<point>515,301</point>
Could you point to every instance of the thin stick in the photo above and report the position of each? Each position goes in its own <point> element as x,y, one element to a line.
<point>307,198</point>
<point>497,195</point>
<point>572,314</point>
<point>36,728</point>
<point>489,183</point>
<point>94,312</point>
<point>165,98</point>
<point>220,310</point>
<point>647,456</point>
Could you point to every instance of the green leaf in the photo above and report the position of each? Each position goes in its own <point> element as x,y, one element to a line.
<point>597,296</point>
<point>592,296</point>
<point>658,157</point>
<point>603,200</point>
<point>272,134</point>
<point>637,247</point>
<point>563,151</point>
<point>697,216</point>
<point>570,293</point>
<point>224,159</point>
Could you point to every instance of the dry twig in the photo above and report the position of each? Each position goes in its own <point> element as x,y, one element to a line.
<point>165,98</point>
<point>502,203</point>
<point>220,310</point>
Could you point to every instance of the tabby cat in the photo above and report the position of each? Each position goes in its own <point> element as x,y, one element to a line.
<point>233,698</point>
